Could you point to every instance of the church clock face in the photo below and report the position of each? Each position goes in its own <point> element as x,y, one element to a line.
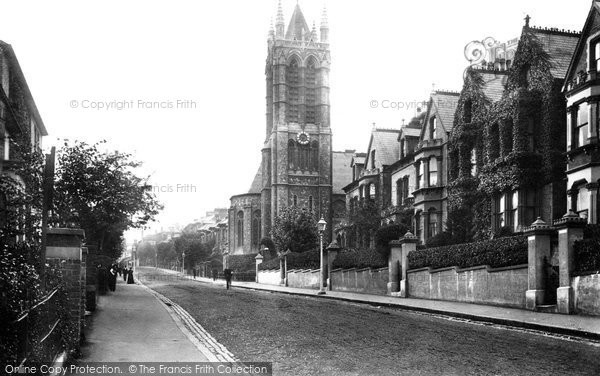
<point>303,138</point>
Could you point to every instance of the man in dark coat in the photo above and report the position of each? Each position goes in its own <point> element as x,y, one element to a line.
<point>228,273</point>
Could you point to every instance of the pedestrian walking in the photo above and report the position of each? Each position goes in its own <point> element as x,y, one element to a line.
<point>130,276</point>
<point>125,273</point>
<point>112,278</point>
<point>194,271</point>
<point>215,274</point>
<point>228,274</point>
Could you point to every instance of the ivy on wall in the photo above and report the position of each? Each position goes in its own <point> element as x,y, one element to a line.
<point>519,140</point>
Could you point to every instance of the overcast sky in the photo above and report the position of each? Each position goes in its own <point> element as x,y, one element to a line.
<point>211,54</point>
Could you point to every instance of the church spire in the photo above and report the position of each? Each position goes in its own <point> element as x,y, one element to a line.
<point>297,28</point>
<point>279,22</point>
<point>324,26</point>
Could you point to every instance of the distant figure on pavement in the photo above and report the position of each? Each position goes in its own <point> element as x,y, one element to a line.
<point>125,274</point>
<point>215,274</point>
<point>112,278</point>
<point>228,274</point>
<point>130,276</point>
<point>194,270</point>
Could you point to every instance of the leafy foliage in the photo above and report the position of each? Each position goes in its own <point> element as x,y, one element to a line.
<point>304,260</point>
<point>268,242</point>
<point>496,253</point>
<point>295,229</point>
<point>385,234</point>
<point>100,192</point>
<point>359,258</point>
<point>587,251</point>
<point>242,263</point>
<point>442,239</point>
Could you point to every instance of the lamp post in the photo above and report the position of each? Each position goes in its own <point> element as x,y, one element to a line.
<point>321,228</point>
<point>183,262</point>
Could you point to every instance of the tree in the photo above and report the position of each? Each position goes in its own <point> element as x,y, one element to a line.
<point>100,192</point>
<point>295,229</point>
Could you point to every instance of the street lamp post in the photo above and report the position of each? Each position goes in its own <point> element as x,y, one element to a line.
<point>183,262</point>
<point>321,225</point>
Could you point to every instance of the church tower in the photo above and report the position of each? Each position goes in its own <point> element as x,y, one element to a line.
<point>297,155</point>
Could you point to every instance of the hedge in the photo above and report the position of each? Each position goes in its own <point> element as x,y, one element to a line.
<point>587,256</point>
<point>242,263</point>
<point>357,258</point>
<point>303,260</point>
<point>507,251</point>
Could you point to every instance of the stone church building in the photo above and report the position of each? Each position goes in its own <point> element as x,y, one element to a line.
<point>298,165</point>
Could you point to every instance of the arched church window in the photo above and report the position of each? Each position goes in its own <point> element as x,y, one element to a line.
<point>293,86</point>
<point>310,81</point>
<point>240,228</point>
<point>310,203</point>
<point>256,224</point>
<point>314,155</point>
<point>292,155</point>
<point>294,200</point>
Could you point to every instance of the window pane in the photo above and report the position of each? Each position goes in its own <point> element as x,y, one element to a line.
<point>582,114</point>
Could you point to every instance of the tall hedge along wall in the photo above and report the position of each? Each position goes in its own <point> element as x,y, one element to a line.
<point>587,251</point>
<point>346,259</point>
<point>242,263</point>
<point>496,253</point>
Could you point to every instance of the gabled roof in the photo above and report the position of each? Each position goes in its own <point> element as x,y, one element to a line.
<point>297,28</point>
<point>342,174</point>
<point>359,158</point>
<point>14,64</point>
<point>560,45</point>
<point>385,142</point>
<point>410,132</point>
<point>443,104</point>
<point>592,22</point>
<point>256,186</point>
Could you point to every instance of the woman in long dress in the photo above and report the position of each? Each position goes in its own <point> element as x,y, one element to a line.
<point>130,276</point>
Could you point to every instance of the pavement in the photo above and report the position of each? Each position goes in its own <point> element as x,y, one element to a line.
<point>132,325</point>
<point>570,325</point>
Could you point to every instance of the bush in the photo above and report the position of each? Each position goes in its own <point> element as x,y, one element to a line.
<point>267,242</point>
<point>587,256</point>
<point>591,231</point>
<point>304,260</point>
<point>242,263</point>
<point>385,234</point>
<point>507,251</point>
<point>503,232</point>
<point>355,258</point>
<point>442,239</point>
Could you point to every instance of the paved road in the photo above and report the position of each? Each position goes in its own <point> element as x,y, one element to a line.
<point>308,336</point>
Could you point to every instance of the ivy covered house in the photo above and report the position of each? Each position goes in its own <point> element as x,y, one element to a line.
<point>518,141</point>
<point>582,91</point>
<point>468,208</point>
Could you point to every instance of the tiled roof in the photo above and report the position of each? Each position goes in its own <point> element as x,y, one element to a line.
<point>385,142</point>
<point>560,46</point>
<point>444,105</point>
<point>342,173</point>
<point>256,186</point>
<point>495,82</point>
<point>411,132</point>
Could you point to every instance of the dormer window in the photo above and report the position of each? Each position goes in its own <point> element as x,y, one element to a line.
<point>596,63</point>
<point>433,128</point>
<point>372,159</point>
